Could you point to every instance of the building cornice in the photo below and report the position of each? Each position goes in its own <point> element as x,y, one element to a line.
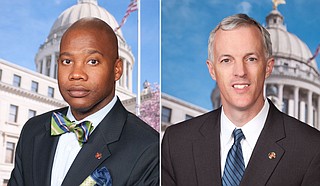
<point>31,95</point>
<point>133,100</point>
<point>183,103</point>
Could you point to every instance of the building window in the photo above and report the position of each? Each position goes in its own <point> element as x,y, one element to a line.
<point>166,114</point>
<point>188,116</point>
<point>50,92</point>
<point>9,152</point>
<point>286,66</point>
<point>13,115</point>
<point>34,86</point>
<point>16,80</point>
<point>32,113</point>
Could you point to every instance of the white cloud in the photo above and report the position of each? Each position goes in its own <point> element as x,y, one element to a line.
<point>57,2</point>
<point>244,7</point>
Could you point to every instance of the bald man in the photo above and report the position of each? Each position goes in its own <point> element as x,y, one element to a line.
<point>95,138</point>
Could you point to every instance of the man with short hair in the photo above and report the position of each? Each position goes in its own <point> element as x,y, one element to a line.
<point>247,141</point>
<point>55,148</point>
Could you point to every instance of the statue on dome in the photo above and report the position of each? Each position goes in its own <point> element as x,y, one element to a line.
<point>277,2</point>
<point>146,87</point>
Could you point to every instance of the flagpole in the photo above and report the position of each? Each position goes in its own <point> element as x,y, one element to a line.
<point>138,64</point>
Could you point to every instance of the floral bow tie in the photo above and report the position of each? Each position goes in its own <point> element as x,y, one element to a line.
<point>60,124</point>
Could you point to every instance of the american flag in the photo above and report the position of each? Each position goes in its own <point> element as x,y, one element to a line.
<point>133,6</point>
<point>315,54</point>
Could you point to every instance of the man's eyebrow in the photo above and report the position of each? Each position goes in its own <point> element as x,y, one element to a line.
<point>224,55</point>
<point>65,54</point>
<point>251,53</point>
<point>85,51</point>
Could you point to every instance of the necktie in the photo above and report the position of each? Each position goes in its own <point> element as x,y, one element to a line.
<point>234,167</point>
<point>60,124</point>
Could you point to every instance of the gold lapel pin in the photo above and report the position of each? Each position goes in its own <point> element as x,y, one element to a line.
<point>272,155</point>
<point>98,155</point>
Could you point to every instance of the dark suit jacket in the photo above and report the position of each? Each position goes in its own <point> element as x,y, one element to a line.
<point>191,153</point>
<point>129,148</point>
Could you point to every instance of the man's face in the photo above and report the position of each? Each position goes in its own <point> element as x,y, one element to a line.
<point>87,70</point>
<point>240,68</point>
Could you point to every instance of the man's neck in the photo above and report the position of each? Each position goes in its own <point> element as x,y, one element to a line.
<point>241,116</point>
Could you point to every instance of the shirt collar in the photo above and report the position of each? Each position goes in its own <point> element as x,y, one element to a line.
<point>251,130</point>
<point>96,117</point>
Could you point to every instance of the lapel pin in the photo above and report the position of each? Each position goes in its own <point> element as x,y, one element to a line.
<point>272,155</point>
<point>98,155</point>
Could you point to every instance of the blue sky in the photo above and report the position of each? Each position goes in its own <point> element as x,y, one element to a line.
<point>25,24</point>
<point>186,25</point>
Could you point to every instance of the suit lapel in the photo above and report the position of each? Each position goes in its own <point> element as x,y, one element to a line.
<point>96,150</point>
<point>262,164</point>
<point>43,153</point>
<point>206,151</point>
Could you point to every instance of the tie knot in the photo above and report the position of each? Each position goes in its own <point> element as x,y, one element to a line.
<point>60,124</point>
<point>238,135</point>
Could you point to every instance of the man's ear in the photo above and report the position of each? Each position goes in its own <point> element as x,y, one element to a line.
<point>118,69</point>
<point>211,69</point>
<point>269,67</point>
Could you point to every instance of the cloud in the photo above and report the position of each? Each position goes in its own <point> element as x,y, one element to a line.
<point>244,7</point>
<point>57,2</point>
<point>181,9</point>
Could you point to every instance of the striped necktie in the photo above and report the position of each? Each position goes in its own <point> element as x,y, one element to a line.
<point>234,167</point>
<point>60,124</point>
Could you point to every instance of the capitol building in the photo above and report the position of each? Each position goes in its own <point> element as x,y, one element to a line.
<point>294,85</point>
<point>25,93</point>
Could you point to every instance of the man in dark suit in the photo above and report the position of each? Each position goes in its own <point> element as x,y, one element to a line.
<point>121,149</point>
<point>247,141</point>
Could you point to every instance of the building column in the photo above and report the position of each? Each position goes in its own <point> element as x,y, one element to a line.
<point>265,90</point>
<point>280,96</point>
<point>296,102</point>
<point>317,125</point>
<point>310,111</point>
<point>124,74</point>
<point>44,65</point>
<point>52,64</point>
<point>129,76</point>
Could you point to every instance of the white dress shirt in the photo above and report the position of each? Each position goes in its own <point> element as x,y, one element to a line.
<point>251,131</point>
<point>68,146</point>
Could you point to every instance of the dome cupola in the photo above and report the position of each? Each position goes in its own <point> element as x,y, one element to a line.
<point>84,8</point>
<point>285,44</point>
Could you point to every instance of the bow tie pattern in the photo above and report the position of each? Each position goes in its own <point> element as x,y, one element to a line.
<point>100,177</point>
<point>60,124</point>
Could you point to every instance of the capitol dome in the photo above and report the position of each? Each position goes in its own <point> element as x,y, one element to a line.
<point>48,52</point>
<point>84,8</point>
<point>286,44</point>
